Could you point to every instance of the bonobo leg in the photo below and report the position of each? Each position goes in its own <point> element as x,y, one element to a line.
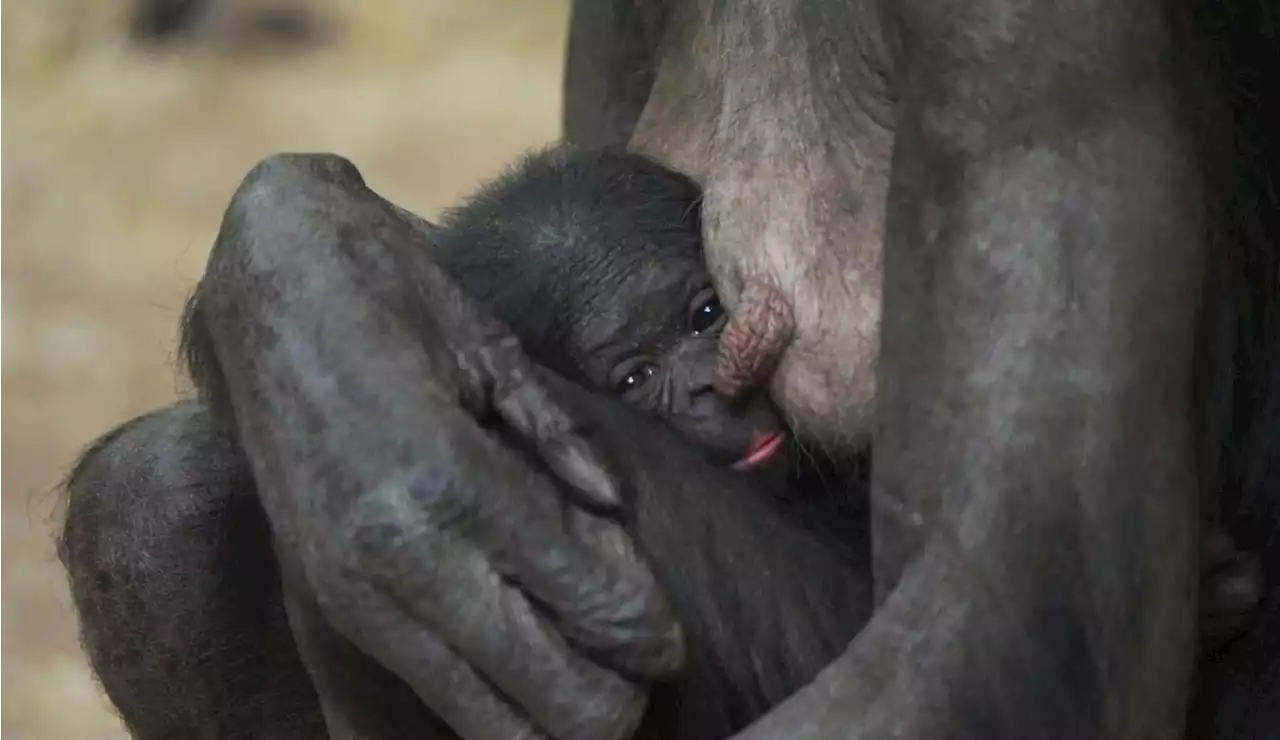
<point>170,567</point>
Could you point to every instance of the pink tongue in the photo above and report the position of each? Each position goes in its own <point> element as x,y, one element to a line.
<point>762,449</point>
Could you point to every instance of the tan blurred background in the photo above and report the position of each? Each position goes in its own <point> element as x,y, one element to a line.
<point>117,163</point>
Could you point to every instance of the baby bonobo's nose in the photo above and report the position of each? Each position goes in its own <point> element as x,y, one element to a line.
<point>691,379</point>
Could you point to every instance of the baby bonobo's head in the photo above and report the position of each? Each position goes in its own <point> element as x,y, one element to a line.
<point>594,259</point>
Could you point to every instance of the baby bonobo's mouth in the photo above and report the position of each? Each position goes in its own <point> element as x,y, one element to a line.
<point>762,449</point>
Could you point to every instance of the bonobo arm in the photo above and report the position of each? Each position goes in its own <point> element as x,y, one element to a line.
<point>611,58</point>
<point>1033,477</point>
<point>356,374</point>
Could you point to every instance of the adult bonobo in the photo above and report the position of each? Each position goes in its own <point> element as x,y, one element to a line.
<point>1045,178</point>
<point>1033,342</point>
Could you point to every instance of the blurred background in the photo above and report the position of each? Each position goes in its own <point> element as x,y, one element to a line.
<point>126,127</point>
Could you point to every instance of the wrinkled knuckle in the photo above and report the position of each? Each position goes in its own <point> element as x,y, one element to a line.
<point>370,532</point>
<point>405,509</point>
<point>431,498</point>
<point>438,499</point>
<point>629,617</point>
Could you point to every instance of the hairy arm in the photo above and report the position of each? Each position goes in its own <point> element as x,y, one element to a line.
<point>356,373</point>
<point>1034,489</point>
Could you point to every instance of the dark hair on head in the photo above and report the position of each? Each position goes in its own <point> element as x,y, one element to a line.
<point>561,227</point>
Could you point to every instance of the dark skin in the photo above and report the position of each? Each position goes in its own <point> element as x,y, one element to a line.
<point>761,587</point>
<point>1040,237</point>
<point>647,331</point>
<point>884,131</point>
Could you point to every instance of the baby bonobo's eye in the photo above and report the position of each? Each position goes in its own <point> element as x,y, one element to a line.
<point>707,313</point>
<point>634,377</point>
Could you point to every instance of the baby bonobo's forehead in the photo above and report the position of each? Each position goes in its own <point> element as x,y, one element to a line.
<point>645,307</point>
<point>585,246</point>
<point>628,233</point>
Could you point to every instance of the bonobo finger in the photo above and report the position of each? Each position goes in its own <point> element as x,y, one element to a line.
<point>441,679</point>
<point>476,496</point>
<point>523,401</point>
<point>497,375</point>
<point>753,341</point>
<point>611,606</point>
<point>443,581</point>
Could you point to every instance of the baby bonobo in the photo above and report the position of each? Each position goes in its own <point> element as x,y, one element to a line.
<point>595,261</point>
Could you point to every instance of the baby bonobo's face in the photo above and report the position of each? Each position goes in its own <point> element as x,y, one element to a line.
<point>652,339</point>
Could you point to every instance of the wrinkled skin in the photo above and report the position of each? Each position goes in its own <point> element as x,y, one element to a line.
<point>1042,180</point>
<point>761,331</point>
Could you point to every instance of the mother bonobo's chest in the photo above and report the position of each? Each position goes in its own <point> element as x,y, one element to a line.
<point>782,111</point>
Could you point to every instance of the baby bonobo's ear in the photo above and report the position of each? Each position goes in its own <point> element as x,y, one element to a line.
<point>753,341</point>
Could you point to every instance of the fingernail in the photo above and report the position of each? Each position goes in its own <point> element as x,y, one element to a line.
<point>573,460</point>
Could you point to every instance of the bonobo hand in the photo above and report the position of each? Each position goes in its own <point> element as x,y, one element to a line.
<point>358,377</point>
